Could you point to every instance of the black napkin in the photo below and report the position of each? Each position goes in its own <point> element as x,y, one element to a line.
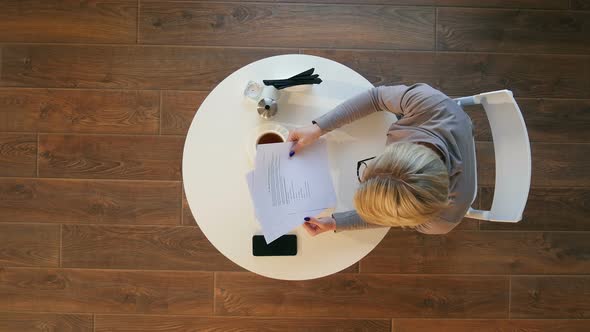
<point>306,77</point>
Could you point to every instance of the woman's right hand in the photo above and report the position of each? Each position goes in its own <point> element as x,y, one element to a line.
<point>315,226</point>
<point>303,137</point>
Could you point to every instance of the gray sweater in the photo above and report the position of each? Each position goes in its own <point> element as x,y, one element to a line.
<point>425,115</point>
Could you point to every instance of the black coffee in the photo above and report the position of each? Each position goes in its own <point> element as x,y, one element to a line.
<point>268,138</point>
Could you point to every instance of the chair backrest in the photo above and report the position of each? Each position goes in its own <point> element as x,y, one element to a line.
<point>513,156</point>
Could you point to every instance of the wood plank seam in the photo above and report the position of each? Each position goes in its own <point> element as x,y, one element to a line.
<point>60,244</point>
<point>93,179</point>
<point>137,23</point>
<point>170,45</point>
<point>435,48</point>
<point>181,203</point>
<point>351,274</point>
<point>279,316</point>
<point>133,45</point>
<point>83,179</point>
<point>509,297</point>
<point>24,88</point>
<point>37,156</point>
<point>108,134</point>
<point>214,293</point>
<point>397,50</point>
<point>160,113</point>
<point>565,9</point>
<point>224,317</point>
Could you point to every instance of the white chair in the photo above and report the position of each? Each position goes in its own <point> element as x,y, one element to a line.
<point>513,156</point>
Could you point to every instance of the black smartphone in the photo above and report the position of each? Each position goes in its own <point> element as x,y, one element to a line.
<point>286,245</point>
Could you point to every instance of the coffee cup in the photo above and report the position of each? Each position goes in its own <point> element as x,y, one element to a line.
<point>269,137</point>
<point>267,133</point>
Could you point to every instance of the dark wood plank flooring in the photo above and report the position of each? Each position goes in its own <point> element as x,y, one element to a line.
<point>79,111</point>
<point>34,322</point>
<point>96,98</point>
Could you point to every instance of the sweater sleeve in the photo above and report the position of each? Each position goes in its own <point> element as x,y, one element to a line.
<point>402,100</point>
<point>350,220</point>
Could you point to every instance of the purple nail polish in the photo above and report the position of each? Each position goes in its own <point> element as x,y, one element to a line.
<point>291,154</point>
<point>306,219</point>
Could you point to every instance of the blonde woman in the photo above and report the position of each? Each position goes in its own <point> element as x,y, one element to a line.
<point>425,177</point>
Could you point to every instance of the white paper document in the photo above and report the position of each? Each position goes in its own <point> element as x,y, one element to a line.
<point>285,190</point>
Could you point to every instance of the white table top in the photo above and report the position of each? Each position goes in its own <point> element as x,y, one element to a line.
<point>215,164</point>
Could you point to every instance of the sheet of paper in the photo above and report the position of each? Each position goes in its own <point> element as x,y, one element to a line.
<point>284,190</point>
<point>296,184</point>
<point>289,221</point>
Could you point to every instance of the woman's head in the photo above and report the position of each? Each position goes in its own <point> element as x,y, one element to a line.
<point>404,186</point>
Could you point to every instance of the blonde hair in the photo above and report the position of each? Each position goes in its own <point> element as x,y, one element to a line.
<point>404,186</point>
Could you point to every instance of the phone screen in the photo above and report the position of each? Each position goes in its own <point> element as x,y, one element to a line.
<point>286,245</point>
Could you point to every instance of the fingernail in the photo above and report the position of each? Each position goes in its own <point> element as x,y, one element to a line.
<point>306,219</point>
<point>291,154</point>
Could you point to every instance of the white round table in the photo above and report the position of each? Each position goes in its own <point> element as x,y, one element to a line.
<point>215,164</point>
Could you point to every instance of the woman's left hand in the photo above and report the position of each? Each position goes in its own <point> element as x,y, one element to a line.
<point>315,226</point>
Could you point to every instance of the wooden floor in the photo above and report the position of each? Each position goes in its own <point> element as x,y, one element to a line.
<point>95,100</point>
